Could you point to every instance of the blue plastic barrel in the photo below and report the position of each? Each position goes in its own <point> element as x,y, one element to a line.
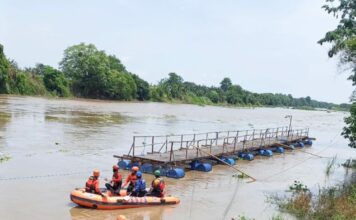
<point>280,150</point>
<point>230,161</point>
<point>175,173</point>
<point>300,144</point>
<point>261,152</point>
<point>268,153</point>
<point>146,168</point>
<point>132,165</point>
<point>123,164</point>
<point>162,170</point>
<point>242,155</point>
<point>194,164</point>
<point>248,157</point>
<point>308,142</point>
<point>204,167</point>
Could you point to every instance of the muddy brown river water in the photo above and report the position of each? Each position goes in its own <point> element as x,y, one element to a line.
<point>54,145</point>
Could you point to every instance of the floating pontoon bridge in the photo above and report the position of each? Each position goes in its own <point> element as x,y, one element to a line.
<point>184,149</point>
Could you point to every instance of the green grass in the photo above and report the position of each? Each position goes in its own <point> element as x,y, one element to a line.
<point>336,203</point>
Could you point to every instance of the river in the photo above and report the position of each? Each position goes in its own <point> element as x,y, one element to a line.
<point>54,144</point>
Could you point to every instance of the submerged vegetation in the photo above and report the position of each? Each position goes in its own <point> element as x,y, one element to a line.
<point>330,166</point>
<point>329,203</point>
<point>4,158</point>
<point>88,72</point>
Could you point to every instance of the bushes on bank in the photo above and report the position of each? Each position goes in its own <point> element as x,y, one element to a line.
<point>88,72</point>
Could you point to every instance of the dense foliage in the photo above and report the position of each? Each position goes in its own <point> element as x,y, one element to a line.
<point>88,72</point>
<point>343,43</point>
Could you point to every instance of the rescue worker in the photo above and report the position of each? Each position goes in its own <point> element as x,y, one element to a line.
<point>131,179</point>
<point>140,186</point>
<point>92,185</point>
<point>157,185</point>
<point>114,185</point>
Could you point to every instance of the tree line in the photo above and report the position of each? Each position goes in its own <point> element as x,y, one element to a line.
<point>343,45</point>
<point>88,72</point>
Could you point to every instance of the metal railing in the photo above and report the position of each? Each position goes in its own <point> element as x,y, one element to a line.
<point>142,145</point>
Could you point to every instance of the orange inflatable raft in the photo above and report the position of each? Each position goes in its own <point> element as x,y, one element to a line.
<point>90,200</point>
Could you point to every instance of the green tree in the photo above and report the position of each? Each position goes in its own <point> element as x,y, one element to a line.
<point>343,40</point>
<point>234,95</point>
<point>4,75</point>
<point>346,30</point>
<point>225,84</point>
<point>87,68</point>
<point>115,64</point>
<point>143,88</point>
<point>173,86</point>
<point>213,96</point>
<point>55,81</point>
<point>121,86</point>
<point>349,132</point>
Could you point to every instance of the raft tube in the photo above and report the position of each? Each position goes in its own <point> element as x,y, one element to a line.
<point>90,200</point>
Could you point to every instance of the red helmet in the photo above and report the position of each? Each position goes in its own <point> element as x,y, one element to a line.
<point>115,167</point>
<point>134,169</point>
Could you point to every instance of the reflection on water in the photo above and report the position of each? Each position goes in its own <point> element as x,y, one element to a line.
<point>62,141</point>
<point>79,213</point>
<point>86,118</point>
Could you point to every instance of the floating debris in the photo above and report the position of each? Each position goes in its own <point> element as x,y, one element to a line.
<point>4,158</point>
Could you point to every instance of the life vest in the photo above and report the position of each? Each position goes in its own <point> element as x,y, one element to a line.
<point>116,178</point>
<point>91,185</point>
<point>140,185</point>
<point>131,178</point>
<point>160,186</point>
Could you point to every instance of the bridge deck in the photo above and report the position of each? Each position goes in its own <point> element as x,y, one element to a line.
<point>174,152</point>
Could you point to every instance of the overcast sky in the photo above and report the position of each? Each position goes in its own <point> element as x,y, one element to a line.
<point>264,46</point>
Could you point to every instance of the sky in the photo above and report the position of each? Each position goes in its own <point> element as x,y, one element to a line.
<point>264,46</point>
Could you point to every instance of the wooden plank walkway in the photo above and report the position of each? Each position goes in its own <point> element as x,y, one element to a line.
<point>180,149</point>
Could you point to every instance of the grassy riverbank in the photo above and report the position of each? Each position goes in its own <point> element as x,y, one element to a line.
<point>336,203</point>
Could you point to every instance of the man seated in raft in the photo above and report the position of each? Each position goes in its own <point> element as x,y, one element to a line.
<point>114,185</point>
<point>157,185</point>
<point>140,186</point>
<point>92,185</point>
<point>131,179</point>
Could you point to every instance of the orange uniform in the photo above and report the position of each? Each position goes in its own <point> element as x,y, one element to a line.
<point>92,185</point>
<point>131,178</point>
<point>116,179</point>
